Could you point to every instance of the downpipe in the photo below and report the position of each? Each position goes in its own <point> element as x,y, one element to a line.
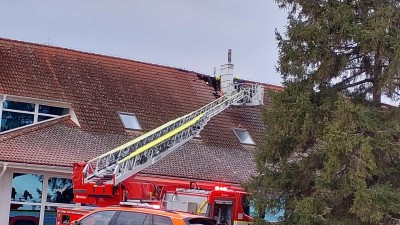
<point>3,171</point>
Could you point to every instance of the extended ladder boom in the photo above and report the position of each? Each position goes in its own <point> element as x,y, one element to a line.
<point>126,160</point>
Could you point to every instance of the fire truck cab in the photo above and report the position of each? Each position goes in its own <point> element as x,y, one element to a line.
<point>227,207</point>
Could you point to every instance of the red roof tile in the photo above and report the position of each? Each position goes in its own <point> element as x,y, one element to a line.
<point>98,87</point>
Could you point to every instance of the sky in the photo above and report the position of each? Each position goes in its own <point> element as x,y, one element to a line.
<point>187,34</point>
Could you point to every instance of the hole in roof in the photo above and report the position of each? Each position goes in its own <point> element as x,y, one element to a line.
<point>243,136</point>
<point>130,121</point>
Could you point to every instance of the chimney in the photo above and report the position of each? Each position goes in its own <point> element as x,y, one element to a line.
<point>227,75</point>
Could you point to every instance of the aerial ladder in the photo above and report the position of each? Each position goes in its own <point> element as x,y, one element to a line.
<point>102,176</point>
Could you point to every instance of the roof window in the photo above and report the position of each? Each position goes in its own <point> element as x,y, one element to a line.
<point>19,112</point>
<point>130,121</point>
<point>244,136</point>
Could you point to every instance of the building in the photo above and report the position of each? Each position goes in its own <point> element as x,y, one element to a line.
<point>61,106</point>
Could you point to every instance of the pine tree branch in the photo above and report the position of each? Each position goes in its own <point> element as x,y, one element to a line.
<point>341,172</point>
<point>357,57</point>
<point>344,47</point>
<point>340,88</point>
<point>344,81</point>
<point>392,158</point>
<point>397,93</point>
<point>353,68</point>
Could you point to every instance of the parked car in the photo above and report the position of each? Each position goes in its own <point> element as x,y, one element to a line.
<point>23,220</point>
<point>123,215</point>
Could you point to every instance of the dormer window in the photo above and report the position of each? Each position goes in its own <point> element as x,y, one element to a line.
<point>16,113</point>
<point>243,136</point>
<point>130,121</point>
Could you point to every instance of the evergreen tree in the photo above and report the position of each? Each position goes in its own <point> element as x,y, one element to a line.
<point>332,149</point>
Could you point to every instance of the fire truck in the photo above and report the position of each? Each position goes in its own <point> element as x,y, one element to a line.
<point>109,179</point>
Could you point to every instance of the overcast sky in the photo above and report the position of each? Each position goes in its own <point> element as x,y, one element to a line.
<point>189,34</point>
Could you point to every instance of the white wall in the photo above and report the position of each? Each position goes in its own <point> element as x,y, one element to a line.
<point>5,196</point>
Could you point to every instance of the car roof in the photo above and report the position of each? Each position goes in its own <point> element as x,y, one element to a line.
<point>161,212</point>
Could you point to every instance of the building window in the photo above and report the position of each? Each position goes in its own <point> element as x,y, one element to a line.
<point>59,193</point>
<point>243,136</point>
<point>12,120</point>
<point>20,106</point>
<point>52,110</point>
<point>17,113</point>
<point>24,214</point>
<point>33,195</point>
<point>27,188</point>
<point>130,121</point>
<point>26,197</point>
<point>59,190</point>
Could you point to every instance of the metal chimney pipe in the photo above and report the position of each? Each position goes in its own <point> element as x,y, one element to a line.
<point>229,55</point>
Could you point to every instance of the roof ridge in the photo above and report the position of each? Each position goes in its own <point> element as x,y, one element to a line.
<point>34,127</point>
<point>97,54</point>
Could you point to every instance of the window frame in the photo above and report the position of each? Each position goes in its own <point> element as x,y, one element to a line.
<point>133,116</point>
<point>253,143</point>
<point>35,113</point>
<point>42,188</point>
<point>46,176</point>
<point>49,203</point>
<point>39,206</point>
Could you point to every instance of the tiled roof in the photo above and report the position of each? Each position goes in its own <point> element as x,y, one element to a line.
<point>98,87</point>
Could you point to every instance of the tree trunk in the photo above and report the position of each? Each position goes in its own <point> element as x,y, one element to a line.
<point>376,89</point>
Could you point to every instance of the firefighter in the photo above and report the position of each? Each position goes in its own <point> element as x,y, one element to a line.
<point>238,83</point>
<point>216,84</point>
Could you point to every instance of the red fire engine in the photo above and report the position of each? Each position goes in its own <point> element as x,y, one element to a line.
<point>110,178</point>
<point>225,205</point>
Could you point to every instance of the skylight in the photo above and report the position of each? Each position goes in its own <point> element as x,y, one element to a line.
<point>130,121</point>
<point>243,136</point>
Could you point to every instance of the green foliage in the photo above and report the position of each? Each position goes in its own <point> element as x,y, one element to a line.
<point>331,148</point>
<point>343,44</point>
